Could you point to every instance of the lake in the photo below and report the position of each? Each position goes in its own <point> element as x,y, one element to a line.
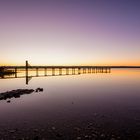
<point>73,107</point>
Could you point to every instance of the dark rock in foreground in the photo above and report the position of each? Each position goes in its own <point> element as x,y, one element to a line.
<point>17,93</point>
<point>39,90</point>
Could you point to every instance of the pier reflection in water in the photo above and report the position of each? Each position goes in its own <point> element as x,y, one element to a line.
<point>39,72</point>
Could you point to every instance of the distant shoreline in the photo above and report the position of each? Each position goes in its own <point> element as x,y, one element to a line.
<point>125,67</point>
<point>73,66</point>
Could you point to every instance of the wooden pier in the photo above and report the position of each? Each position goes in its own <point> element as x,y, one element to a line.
<point>55,70</point>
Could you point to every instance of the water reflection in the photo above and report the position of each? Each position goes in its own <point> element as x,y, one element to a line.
<point>3,75</point>
<point>30,73</point>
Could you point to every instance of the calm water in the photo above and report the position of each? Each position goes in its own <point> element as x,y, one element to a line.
<point>85,106</point>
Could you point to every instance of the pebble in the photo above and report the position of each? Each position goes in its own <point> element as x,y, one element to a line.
<point>90,124</point>
<point>102,135</point>
<point>94,135</point>
<point>53,128</point>
<point>78,138</point>
<point>86,136</point>
<point>8,101</point>
<point>12,131</point>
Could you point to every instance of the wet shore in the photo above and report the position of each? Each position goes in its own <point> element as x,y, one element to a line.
<point>68,131</point>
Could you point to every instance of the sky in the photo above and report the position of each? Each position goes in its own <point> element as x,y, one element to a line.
<point>70,32</point>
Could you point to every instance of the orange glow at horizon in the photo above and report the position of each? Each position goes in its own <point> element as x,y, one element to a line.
<point>73,64</point>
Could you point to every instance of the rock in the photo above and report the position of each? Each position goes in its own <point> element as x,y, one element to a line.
<point>39,90</point>
<point>90,124</point>
<point>12,131</point>
<point>53,128</point>
<point>36,90</point>
<point>102,136</point>
<point>14,93</point>
<point>8,101</point>
<point>94,135</point>
<point>86,136</point>
<point>78,138</point>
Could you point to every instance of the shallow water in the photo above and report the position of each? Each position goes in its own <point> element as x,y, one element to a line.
<point>93,106</point>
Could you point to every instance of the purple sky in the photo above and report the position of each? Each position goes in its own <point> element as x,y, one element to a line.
<point>70,32</point>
